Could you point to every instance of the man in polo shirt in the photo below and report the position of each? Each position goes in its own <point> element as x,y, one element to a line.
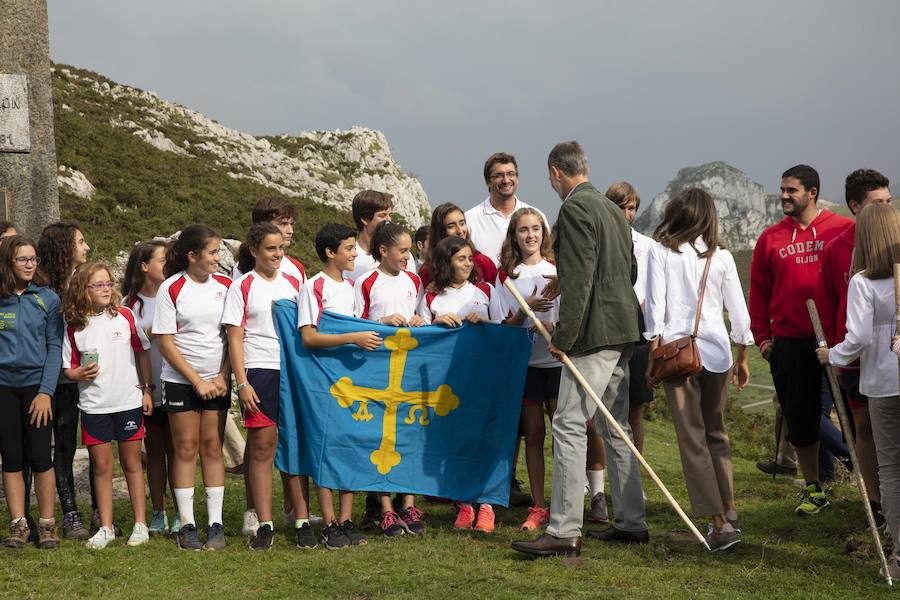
<point>489,220</point>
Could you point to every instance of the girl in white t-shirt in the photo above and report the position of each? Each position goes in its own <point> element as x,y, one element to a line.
<point>525,260</point>
<point>253,347</point>
<point>390,294</point>
<point>144,273</point>
<point>195,375</point>
<point>102,350</point>
<point>457,298</point>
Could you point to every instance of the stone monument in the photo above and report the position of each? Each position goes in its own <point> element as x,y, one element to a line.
<point>28,189</point>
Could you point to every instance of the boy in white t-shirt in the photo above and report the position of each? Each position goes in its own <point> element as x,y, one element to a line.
<point>280,213</point>
<point>328,290</point>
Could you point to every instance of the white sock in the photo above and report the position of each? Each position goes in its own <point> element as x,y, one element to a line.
<point>184,500</point>
<point>214,498</point>
<point>595,481</point>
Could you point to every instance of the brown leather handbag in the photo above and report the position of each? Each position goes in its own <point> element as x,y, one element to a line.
<point>680,358</point>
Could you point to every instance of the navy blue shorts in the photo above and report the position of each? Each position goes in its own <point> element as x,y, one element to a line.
<point>266,384</point>
<point>181,397</point>
<point>123,426</point>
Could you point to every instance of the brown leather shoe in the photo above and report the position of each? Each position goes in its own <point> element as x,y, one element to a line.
<point>617,535</point>
<point>548,545</point>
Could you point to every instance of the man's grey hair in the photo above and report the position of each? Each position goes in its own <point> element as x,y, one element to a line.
<point>569,158</point>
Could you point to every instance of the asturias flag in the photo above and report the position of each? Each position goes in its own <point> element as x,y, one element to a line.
<point>431,411</point>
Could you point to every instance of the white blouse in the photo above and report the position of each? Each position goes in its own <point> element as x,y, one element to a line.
<point>870,326</point>
<point>673,285</point>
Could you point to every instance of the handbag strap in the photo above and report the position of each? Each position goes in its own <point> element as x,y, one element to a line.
<point>702,293</point>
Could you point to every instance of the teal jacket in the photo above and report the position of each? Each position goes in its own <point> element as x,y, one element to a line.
<point>597,269</point>
<point>31,329</point>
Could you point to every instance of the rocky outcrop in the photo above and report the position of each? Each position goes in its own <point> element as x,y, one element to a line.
<point>75,182</point>
<point>743,206</point>
<point>329,167</point>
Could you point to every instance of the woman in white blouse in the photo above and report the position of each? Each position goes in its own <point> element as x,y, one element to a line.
<point>687,236</point>
<point>870,327</point>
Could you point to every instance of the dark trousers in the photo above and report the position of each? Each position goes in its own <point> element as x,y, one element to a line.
<point>65,439</point>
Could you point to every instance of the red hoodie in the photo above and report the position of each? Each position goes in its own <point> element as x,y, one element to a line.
<point>783,275</point>
<point>834,280</point>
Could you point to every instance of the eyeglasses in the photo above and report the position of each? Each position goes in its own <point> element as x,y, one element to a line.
<point>506,175</point>
<point>101,285</point>
<point>24,260</point>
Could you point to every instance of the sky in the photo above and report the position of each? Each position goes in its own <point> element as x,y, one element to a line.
<point>647,88</point>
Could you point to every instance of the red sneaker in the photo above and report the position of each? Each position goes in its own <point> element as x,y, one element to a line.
<point>466,516</point>
<point>538,517</point>
<point>485,521</point>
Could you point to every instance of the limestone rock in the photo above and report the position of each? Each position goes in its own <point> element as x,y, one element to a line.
<point>75,182</point>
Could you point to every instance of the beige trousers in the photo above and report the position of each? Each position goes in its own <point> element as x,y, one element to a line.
<point>697,407</point>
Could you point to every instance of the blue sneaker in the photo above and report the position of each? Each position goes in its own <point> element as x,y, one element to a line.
<point>176,524</point>
<point>159,523</point>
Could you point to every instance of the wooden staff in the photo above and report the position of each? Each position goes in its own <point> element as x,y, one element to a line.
<point>848,434</point>
<point>523,304</point>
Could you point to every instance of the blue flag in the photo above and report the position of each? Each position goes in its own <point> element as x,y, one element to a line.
<point>431,411</point>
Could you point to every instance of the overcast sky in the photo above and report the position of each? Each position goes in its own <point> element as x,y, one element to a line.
<point>646,87</point>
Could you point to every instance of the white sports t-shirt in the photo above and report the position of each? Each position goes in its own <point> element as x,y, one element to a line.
<point>115,339</point>
<point>289,266</point>
<point>379,294</point>
<point>323,293</point>
<point>641,248</point>
<point>531,281</point>
<point>480,298</point>
<point>365,262</point>
<point>248,304</point>
<point>144,316</point>
<point>488,226</point>
<point>192,312</point>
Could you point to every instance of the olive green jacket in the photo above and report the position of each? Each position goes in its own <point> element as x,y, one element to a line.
<point>597,270</point>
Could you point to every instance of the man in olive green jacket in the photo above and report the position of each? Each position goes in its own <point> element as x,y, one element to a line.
<point>598,325</point>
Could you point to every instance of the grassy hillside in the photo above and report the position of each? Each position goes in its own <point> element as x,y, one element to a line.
<point>143,191</point>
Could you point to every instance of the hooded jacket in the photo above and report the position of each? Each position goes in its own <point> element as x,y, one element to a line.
<point>784,273</point>
<point>31,328</point>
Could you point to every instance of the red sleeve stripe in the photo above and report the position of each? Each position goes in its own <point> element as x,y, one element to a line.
<point>429,298</point>
<point>299,266</point>
<point>226,281</point>
<point>416,280</point>
<point>367,293</point>
<point>176,288</point>
<point>245,296</point>
<point>293,281</point>
<point>484,287</point>
<point>319,292</point>
<point>135,339</point>
<point>76,354</point>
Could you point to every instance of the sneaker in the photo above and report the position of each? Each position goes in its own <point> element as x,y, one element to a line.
<point>538,517</point>
<point>811,501</point>
<point>333,537</point>
<point>95,523</point>
<point>391,525</point>
<point>139,535</point>
<point>516,496</point>
<point>18,534</point>
<point>47,537</point>
<point>262,539</point>
<point>412,519</point>
<point>189,537</point>
<point>599,510</point>
<point>305,537</point>
<point>353,534</point>
<point>770,467</point>
<point>465,518</point>
<point>176,524</point>
<point>372,514</point>
<point>722,540</point>
<point>485,521</point>
<point>251,523</point>
<point>73,526</point>
<point>215,537</point>
<point>159,523</point>
<point>101,539</point>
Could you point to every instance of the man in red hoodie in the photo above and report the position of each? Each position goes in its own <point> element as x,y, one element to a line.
<point>783,275</point>
<point>862,187</point>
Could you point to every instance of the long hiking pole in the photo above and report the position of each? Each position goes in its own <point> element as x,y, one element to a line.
<point>848,435</point>
<point>609,418</point>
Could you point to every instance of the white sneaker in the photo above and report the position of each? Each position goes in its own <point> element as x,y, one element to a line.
<point>101,539</point>
<point>139,535</point>
<point>251,523</point>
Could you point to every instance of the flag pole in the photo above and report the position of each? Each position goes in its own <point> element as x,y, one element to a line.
<point>609,418</point>
<point>848,435</point>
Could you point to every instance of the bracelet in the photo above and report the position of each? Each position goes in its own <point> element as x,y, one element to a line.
<point>146,387</point>
<point>240,386</point>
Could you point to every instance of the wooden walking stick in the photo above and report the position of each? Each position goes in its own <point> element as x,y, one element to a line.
<point>523,304</point>
<point>848,434</point>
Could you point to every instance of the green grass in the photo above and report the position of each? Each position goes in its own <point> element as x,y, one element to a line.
<point>782,555</point>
